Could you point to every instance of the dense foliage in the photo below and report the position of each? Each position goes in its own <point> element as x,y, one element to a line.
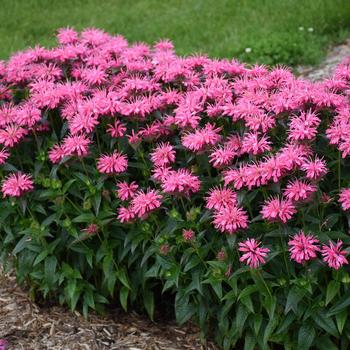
<point>128,171</point>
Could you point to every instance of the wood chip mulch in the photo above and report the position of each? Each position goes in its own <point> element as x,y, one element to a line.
<point>26,326</point>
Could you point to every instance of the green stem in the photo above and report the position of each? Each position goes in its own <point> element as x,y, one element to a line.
<point>264,282</point>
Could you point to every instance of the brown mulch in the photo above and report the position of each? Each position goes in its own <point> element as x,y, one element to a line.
<point>26,326</point>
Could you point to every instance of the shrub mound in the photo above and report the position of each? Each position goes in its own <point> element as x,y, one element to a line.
<point>128,172</point>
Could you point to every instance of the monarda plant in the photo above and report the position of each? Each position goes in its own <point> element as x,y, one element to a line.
<point>129,173</point>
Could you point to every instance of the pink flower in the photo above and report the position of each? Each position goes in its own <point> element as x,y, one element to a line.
<point>91,229</point>
<point>4,154</point>
<point>299,190</point>
<point>303,127</point>
<point>253,143</point>
<point>253,255</point>
<point>278,209</point>
<point>11,135</point>
<point>181,181</point>
<point>188,235</point>
<point>163,155</point>
<point>333,255</point>
<point>117,129</point>
<point>56,154</point>
<point>222,156</point>
<point>126,191</point>
<point>16,184</point>
<point>202,138</point>
<point>76,144</point>
<point>220,197</point>
<point>230,219</point>
<point>303,247</point>
<point>125,214</point>
<point>314,169</point>
<point>145,202</point>
<point>112,164</point>
<point>344,198</point>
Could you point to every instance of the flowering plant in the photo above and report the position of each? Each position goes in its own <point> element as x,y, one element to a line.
<point>130,172</point>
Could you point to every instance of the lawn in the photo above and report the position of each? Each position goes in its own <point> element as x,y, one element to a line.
<point>266,31</point>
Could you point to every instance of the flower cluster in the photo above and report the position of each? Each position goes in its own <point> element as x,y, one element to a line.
<point>166,129</point>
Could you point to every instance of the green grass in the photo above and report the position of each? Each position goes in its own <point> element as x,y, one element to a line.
<point>220,28</point>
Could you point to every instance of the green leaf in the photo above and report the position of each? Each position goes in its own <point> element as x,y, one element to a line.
<point>247,291</point>
<point>123,297</point>
<point>293,298</point>
<point>326,323</point>
<point>332,290</point>
<point>86,217</point>
<point>342,304</point>
<point>257,323</point>
<point>184,310</point>
<point>249,342</point>
<point>148,301</point>
<point>306,337</point>
<point>341,319</point>
<point>270,327</point>
<point>41,257</point>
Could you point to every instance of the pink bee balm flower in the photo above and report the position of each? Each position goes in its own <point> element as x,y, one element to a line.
<point>117,129</point>
<point>163,155</point>
<point>112,164</point>
<point>222,156</point>
<point>16,184</point>
<point>253,255</point>
<point>299,190</point>
<point>76,144</point>
<point>181,181</point>
<point>188,235</point>
<point>125,214</point>
<point>278,209</point>
<point>145,202</point>
<point>4,154</point>
<point>91,229</point>
<point>230,219</point>
<point>3,344</point>
<point>56,154</point>
<point>126,191</point>
<point>220,197</point>
<point>314,169</point>
<point>333,255</point>
<point>344,198</point>
<point>254,144</point>
<point>303,247</point>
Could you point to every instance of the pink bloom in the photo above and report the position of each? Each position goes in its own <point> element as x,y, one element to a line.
<point>67,36</point>
<point>202,138</point>
<point>303,247</point>
<point>125,214</point>
<point>126,191</point>
<point>145,202</point>
<point>112,164</point>
<point>333,255</point>
<point>117,129</point>
<point>314,169</point>
<point>91,229</point>
<point>180,181</point>
<point>253,255</point>
<point>188,235</point>
<point>304,127</point>
<point>56,154</point>
<point>278,209</point>
<point>299,190</point>
<point>163,155</point>
<point>16,184</point>
<point>11,135</point>
<point>220,197</point>
<point>76,144</point>
<point>230,219</point>
<point>253,143</point>
<point>222,156</point>
<point>4,154</point>
<point>344,198</point>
